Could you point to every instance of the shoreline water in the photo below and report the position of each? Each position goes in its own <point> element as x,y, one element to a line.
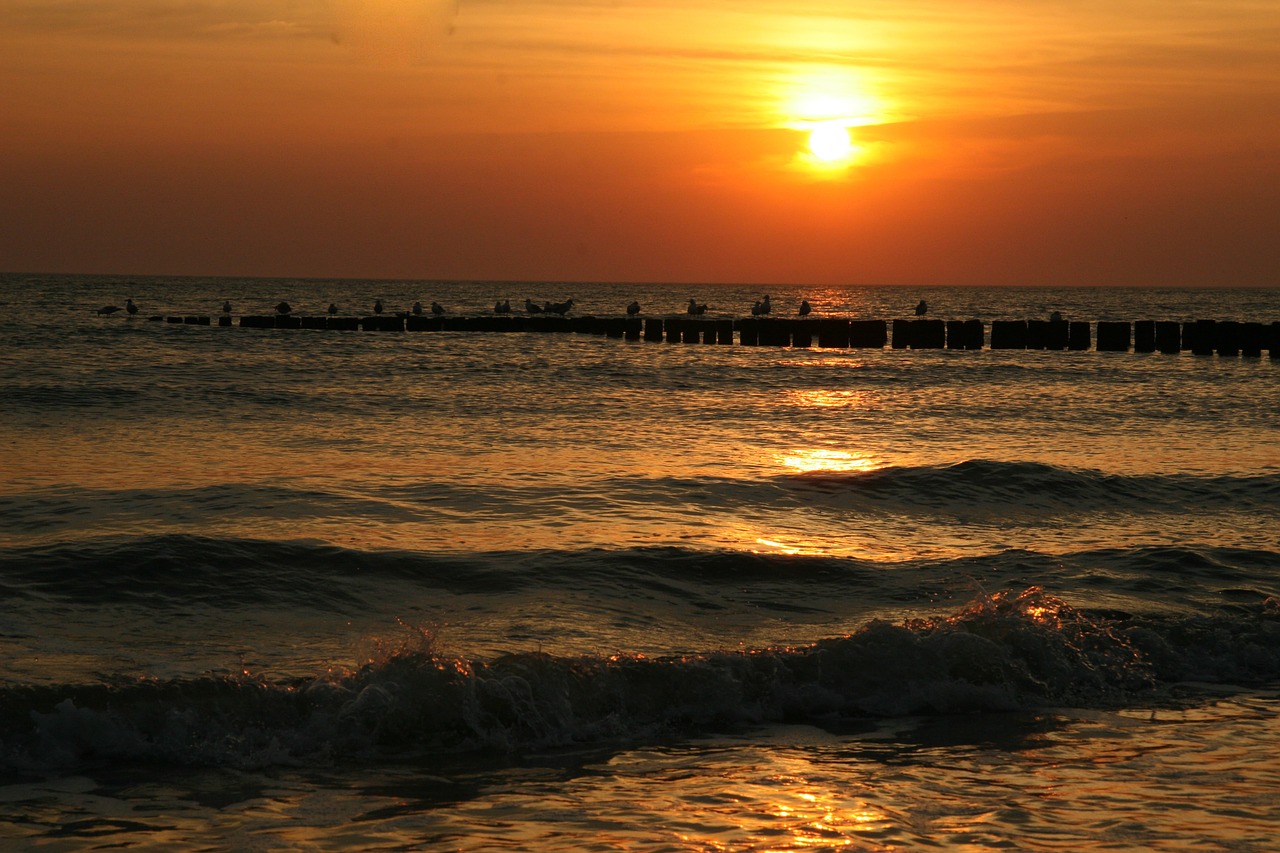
<point>366,590</point>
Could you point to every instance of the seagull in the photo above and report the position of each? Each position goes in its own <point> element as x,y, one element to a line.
<point>130,307</point>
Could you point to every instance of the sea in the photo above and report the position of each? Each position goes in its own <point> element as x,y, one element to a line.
<point>344,590</point>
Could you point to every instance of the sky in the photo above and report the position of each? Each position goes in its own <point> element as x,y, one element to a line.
<point>1028,142</point>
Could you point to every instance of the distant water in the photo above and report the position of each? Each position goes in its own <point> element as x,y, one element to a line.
<point>559,592</point>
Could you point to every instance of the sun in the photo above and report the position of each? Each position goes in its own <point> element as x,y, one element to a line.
<point>830,142</point>
<point>829,106</point>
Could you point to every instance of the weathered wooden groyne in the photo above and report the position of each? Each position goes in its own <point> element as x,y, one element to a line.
<point>1202,337</point>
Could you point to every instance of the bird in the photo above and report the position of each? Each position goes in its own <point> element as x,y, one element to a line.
<point>633,309</point>
<point>805,308</point>
<point>695,308</point>
<point>532,307</point>
<point>284,308</point>
<point>377,306</point>
<point>130,307</point>
<point>922,308</point>
<point>108,309</point>
<point>226,306</point>
<point>417,308</point>
<point>437,308</point>
<point>560,308</point>
<point>333,308</point>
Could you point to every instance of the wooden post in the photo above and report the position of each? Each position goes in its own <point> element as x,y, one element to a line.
<point>775,332</point>
<point>1253,339</point>
<point>833,333</point>
<point>1008,334</point>
<point>674,329</point>
<point>1168,337</point>
<point>1144,336</point>
<point>1198,336</point>
<point>928,334</point>
<point>1037,334</point>
<point>1113,336</point>
<point>1078,336</point>
<point>1058,336</point>
<point>868,334</point>
<point>903,334</point>
<point>802,333</point>
<point>1226,338</point>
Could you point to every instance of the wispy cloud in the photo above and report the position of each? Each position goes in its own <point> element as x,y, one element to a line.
<point>166,19</point>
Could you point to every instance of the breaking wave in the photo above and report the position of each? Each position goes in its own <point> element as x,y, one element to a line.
<point>1001,652</point>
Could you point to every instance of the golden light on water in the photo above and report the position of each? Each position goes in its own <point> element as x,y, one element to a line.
<point>828,399</point>
<point>810,461</point>
<point>824,820</point>
<point>780,547</point>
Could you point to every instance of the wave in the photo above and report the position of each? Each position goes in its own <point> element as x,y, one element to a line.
<point>229,572</point>
<point>1033,486</point>
<point>963,491</point>
<point>1001,652</point>
<point>177,570</point>
<point>959,489</point>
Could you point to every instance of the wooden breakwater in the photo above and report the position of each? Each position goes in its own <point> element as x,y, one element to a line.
<point>1202,337</point>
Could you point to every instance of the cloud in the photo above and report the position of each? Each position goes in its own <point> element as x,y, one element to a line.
<point>394,32</point>
<point>165,19</point>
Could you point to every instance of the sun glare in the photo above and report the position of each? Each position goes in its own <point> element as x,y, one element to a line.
<point>826,105</point>
<point>830,142</point>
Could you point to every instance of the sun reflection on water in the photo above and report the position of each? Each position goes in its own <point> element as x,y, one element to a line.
<point>824,820</point>
<point>815,460</point>
<point>831,399</point>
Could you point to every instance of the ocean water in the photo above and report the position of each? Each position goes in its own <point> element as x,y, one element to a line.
<point>463,591</point>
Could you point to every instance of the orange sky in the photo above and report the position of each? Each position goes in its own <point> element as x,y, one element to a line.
<point>994,142</point>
